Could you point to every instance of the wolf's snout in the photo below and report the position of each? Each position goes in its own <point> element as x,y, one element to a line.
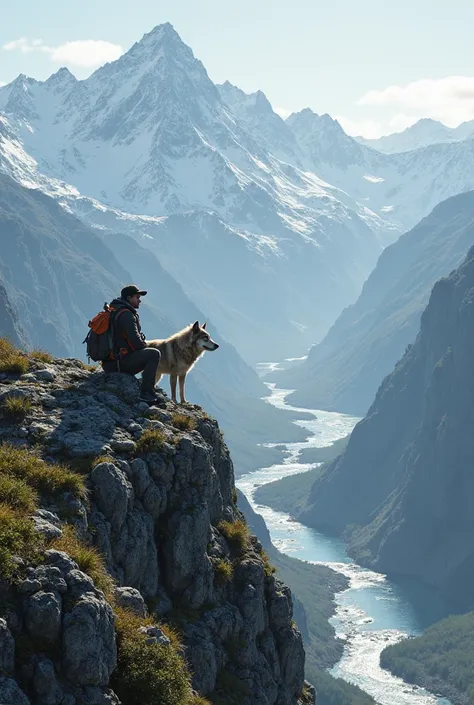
<point>215,346</point>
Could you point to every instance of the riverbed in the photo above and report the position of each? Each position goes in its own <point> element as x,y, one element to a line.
<point>373,612</point>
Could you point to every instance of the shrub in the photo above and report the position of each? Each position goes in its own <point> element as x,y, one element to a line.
<point>11,359</point>
<point>199,700</point>
<point>41,355</point>
<point>183,422</point>
<point>17,494</point>
<point>102,459</point>
<point>268,568</point>
<point>236,533</point>
<point>18,537</point>
<point>151,440</point>
<point>147,673</point>
<point>88,558</point>
<point>51,480</point>
<point>16,407</point>
<point>234,495</point>
<point>223,570</point>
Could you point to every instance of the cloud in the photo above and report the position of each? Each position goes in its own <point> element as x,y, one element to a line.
<point>370,129</point>
<point>87,53</point>
<point>450,99</point>
<point>282,112</point>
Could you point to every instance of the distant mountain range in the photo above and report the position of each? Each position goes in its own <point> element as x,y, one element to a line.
<point>258,219</point>
<point>422,134</point>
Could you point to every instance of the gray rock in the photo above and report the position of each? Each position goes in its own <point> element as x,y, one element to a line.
<point>89,652</point>
<point>79,583</point>
<point>10,693</point>
<point>46,375</point>
<point>185,548</point>
<point>48,530</point>
<point>98,696</point>
<point>131,599</point>
<point>7,650</point>
<point>112,492</point>
<point>141,476</point>
<point>123,445</point>
<point>46,687</point>
<point>154,635</point>
<point>43,616</point>
<point>60,560</point>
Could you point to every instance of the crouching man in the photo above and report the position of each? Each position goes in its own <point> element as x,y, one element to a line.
<point>132,355</point>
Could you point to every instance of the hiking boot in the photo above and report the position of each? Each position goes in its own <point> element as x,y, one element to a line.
<point>149,397</point>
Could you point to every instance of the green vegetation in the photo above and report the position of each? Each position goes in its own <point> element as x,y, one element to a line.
<point>11,359</point>
<point>335,691</point>
<point>102,459</point>
<point>223,570</point>
<point>267,565</point>
<point>16,408</point>
<point>87,557</point>
<point>17,494</point>
<point>183,422</point>
<point>18,537</point>
<point>41,355</point>
<point>49,479</point>
<point>151,441</point>
<point>234,495</point>
<point>236,533</point>
<point>440,660</point>
<point>147,673</point>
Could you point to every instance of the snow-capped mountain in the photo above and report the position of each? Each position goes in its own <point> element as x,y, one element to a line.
<point>403,187</point>
<point>147,145</point>
<point>422,134</point>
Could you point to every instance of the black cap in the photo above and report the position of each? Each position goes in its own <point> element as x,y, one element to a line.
<point>131,290</point>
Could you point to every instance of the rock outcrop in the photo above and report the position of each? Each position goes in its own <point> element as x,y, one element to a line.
<point>160,511</point>
<point>402,490</point>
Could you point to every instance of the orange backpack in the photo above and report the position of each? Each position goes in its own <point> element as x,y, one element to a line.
<point>100,339</point>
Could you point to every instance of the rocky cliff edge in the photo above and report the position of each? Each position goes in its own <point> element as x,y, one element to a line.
<point>127,573</point>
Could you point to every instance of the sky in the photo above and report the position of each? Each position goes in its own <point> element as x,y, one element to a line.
<point>376,65</point>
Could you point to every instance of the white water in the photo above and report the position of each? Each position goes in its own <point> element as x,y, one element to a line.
<point>372,612</point>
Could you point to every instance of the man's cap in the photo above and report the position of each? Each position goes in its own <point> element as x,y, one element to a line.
<point>131,290</point>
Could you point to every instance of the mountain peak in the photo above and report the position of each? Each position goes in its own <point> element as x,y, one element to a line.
<point>62,75</point>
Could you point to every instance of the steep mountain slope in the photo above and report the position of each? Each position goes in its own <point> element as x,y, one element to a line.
<point>10,327</point>
<point>344,371</point>
<point>423,133</point>
<point>402,490</point>
<point>148,146</point>
<point>58,272</point>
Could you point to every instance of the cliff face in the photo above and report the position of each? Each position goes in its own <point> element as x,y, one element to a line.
<point>158,505</point>
<point>403,488</point>
<point>9,325</point>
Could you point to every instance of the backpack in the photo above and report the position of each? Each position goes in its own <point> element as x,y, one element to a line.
<point>100,339</point>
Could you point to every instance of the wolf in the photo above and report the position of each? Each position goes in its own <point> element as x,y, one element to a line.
<point>179,354</point>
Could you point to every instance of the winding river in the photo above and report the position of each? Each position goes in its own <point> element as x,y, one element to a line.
<point>373,612</point>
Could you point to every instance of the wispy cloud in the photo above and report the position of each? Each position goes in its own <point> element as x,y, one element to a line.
<point>450,99</point>
<point>86,53</point>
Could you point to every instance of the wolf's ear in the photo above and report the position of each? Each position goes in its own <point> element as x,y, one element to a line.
<point>195,326</point>
<point>204,326</point>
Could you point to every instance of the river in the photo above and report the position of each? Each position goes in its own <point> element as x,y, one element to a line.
<point>373,612</point>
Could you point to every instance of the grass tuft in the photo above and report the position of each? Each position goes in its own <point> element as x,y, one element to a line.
<point>147,673</point>
<point>102,459</point>
<point>41,355</point>
<point>17,494</point>
<point>11,359</point>
<point>18,538</point>
<point>151,441</point>
<point>16,407</point>
<point>51,480</point>
<point>183,422</point>
<point>88,558</point>
<point>223,571</point>
<point>268,568</point>
<point>236,533</point>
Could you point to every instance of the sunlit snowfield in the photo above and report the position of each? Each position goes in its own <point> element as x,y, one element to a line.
<point>373,612</point>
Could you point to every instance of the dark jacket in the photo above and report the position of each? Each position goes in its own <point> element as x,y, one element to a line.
<point>128,335</point>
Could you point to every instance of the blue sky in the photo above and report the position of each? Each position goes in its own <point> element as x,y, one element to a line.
<point>376,65</point>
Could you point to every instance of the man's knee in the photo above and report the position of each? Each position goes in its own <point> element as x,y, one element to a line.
<point>153,356</point>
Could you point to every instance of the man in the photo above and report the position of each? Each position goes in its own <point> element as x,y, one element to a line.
<point>133,355</point>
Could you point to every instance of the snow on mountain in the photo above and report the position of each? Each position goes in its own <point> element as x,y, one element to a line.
<point>402,187</point>
<point>148,145</point>
<point>423,133</point>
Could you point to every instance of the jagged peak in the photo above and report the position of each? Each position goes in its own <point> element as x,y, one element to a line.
<point>62,75</point>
